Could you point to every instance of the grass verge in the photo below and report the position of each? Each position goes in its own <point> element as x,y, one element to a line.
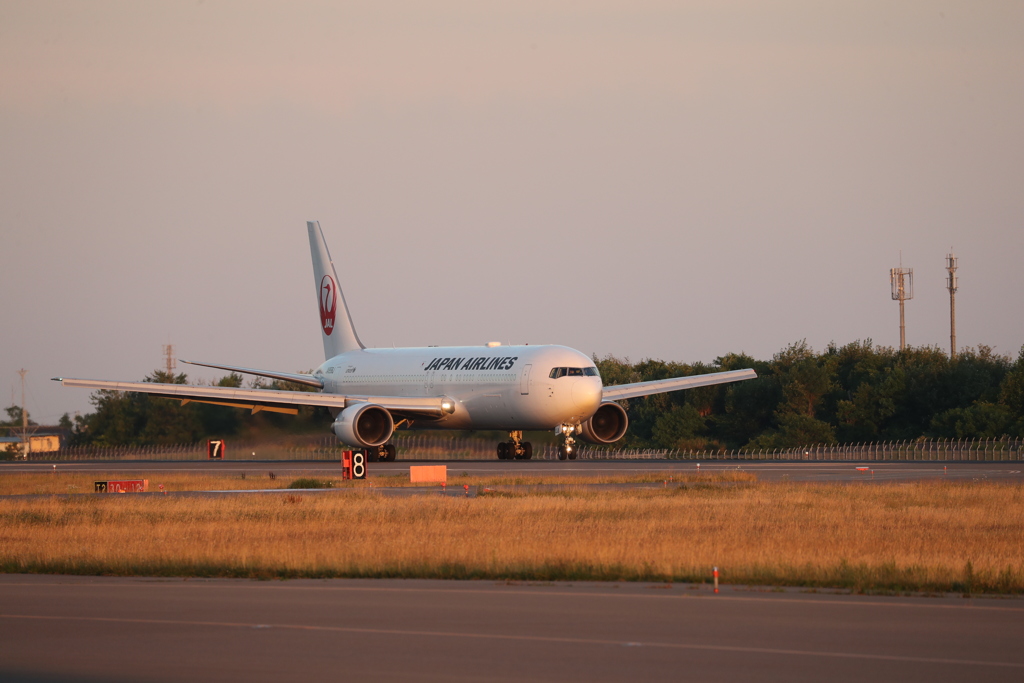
<point>65,482</point>
<point>310,483</point>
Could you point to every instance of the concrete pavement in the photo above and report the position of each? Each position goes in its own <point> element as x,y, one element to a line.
<point>136,629</point>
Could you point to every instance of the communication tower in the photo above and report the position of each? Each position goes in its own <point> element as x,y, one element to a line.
<point>951,285</point>
<point>24,418</point>
<point>172,362</point>
<point>902,282</point>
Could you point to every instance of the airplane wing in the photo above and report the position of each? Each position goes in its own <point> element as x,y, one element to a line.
<point>268,399</point>
<point>297,378</point>
<point>660,386</point>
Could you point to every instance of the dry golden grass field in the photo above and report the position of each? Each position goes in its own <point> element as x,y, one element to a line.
<point>926,536</point>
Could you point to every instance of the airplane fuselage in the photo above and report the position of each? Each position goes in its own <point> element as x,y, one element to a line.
<point>492,387</point>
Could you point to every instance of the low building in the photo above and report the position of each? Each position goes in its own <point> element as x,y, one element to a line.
<point>42,441</point>
<point>10,444</point>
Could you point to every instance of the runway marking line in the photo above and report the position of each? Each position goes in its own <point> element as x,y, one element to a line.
<point>525,638</point>
<point>966,605</point>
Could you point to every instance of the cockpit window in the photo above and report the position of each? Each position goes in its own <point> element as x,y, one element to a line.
<point>572,372</point>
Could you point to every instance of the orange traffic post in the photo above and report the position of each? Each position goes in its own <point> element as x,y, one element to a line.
<point>716,578</point>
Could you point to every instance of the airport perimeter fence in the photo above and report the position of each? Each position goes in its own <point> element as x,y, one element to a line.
<point>435,447</point>
<point>931,450</point>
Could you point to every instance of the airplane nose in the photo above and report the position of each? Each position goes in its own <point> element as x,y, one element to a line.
<point>586,394</point>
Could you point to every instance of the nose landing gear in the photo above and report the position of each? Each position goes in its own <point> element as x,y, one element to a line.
<point>515,448</point>
<point>568,447</point>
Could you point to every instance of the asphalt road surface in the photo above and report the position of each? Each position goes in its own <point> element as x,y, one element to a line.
<point>765,471</point>
<point>81,629</point>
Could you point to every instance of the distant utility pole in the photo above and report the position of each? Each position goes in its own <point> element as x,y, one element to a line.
<point>951,285</point>
<point>171,361</point>
<point>24,417</point>
<point>902,282</point>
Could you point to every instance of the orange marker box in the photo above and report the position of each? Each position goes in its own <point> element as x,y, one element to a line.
<point>428,473</point>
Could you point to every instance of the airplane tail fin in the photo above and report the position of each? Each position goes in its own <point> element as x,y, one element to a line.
<point>336,327</point>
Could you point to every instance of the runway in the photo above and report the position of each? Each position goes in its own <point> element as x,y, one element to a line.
<point>1009,472</point>
<point>83,629</point>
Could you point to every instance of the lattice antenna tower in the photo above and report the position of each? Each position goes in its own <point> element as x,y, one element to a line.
<point>170,360</point>
<point>951,285</point>
<point>24,418</point>
<point>902,282</point>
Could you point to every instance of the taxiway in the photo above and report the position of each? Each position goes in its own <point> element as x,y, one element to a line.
<point>765,471</point>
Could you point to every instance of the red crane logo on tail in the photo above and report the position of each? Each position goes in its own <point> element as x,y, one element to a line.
<point>328,303</point>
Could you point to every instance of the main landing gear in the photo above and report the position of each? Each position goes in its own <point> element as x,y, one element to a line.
<point>515,448</point>
<point>385,453</point>
<point>567,449</point>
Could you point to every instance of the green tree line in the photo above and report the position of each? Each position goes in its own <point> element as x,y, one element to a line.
<point>845,394</point>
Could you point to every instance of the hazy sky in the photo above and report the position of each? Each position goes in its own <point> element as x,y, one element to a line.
<point>667,180</point>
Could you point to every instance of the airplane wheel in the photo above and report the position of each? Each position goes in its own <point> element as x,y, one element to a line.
<point>370,454</point>
<point>390,453</point>
<point>572,454</point>
<point>503,452</point>
<point>527,450</point>
<point>562,455</point>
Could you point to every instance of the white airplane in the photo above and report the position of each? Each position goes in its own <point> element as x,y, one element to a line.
<point>371,392</point>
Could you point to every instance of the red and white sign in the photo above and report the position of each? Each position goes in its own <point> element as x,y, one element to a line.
<point>353,465</point>
<point>328,303</point>
<point>128,486</point>
<point>215,449</point>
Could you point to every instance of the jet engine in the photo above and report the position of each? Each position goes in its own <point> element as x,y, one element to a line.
<point>608,424</point>
<point>364,425</point>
